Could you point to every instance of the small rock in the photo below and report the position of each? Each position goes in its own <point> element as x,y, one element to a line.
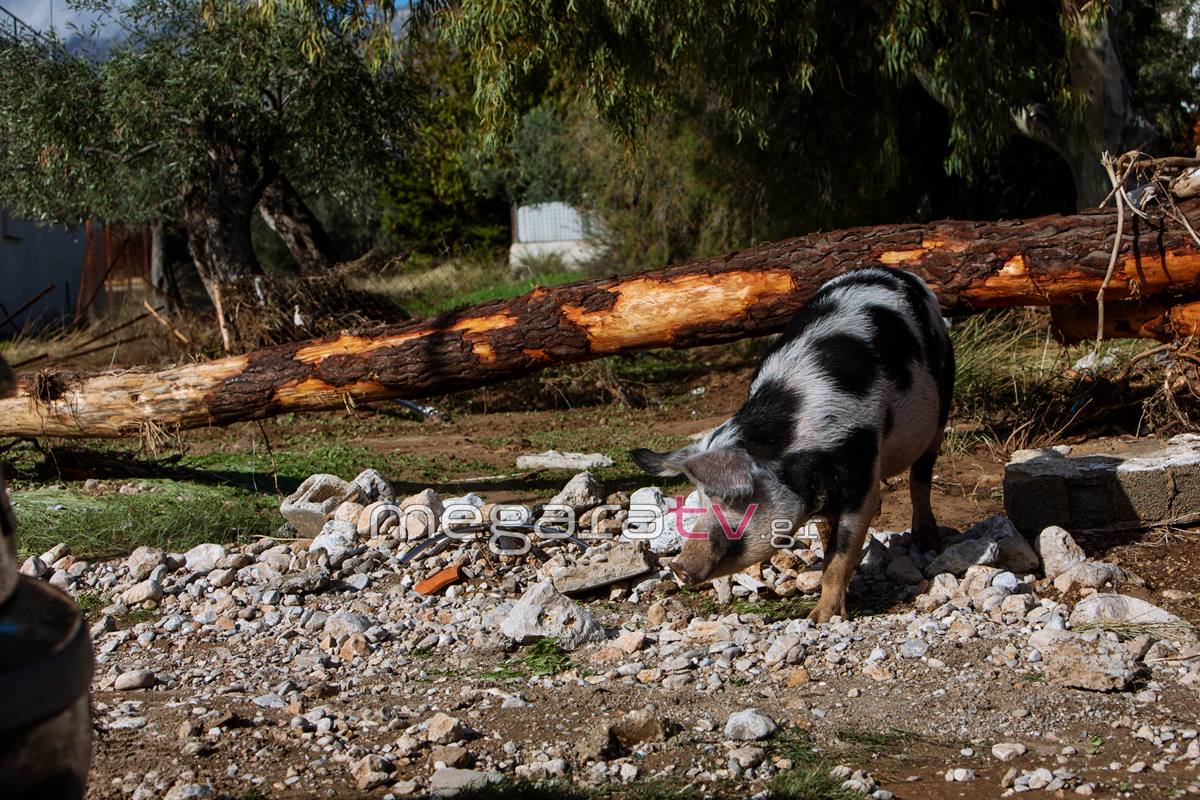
<point>135,679</point>
<point>141,592</point>
<point>203,558</point>
<point>1090,575</point>
<point>582,492</point>
<point>450,781</point>
<point>312,502</point>
<point>1007,751</point>
<point>142,561</point>
<point>445,729</point>
<point>1058,551</point>
<point>1120,608</point>
<point>749,725</point>
<point>650,521</point>
<point>553,459</point>
<point>1016,554</point>
<point>637,727</point>
<point>345,623</point>
<point>543,612</point>
<point>371,771</point>
<point>309,581</point>
<point>959,557</point>
<point>371,486</point>
<point>34,567</point>
<point>902,570</point>
<point>623,562</point>
<point>914,648</point>
<point>1091,663</point>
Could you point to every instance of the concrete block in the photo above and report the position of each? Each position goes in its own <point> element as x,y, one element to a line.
<point>1114,485</point>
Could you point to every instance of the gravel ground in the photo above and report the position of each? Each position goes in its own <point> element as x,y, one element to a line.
<point>305,666</point>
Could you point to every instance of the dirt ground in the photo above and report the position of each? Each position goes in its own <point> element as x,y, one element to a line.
<point>905,734</point>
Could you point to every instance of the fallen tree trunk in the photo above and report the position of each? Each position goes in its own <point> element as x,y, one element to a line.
<point>969,265</point>
<point>1163,320</point>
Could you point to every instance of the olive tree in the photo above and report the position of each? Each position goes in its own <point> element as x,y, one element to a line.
<point>204,113</point>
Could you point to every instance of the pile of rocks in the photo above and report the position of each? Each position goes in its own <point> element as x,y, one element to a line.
<point>302,633</point>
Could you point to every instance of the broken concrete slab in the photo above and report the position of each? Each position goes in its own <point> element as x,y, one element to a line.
<point>1123,485</point>
<point>553,459</point>
<point>622,562</point>
<point>313,501</point>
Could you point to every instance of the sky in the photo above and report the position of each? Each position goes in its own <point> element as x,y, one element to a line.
<point>39,14</point>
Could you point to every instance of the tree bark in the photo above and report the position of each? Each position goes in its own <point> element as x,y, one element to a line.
<point>1052,260</point>
<point>286,213</point>
<point>1163,320</point>
<point>1109,122</point>
<point>216,213</point>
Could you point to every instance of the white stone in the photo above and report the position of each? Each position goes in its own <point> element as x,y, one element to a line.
<point>141,592</point>
<point>960,556</point>
<point>1007,751</point>
<point>135,679</point>
<point>543,612</point>
<point>582,492</point>
<point>1120,608</point>
<point>649,521</point>
<point>1058,551</point>
<point>749,725</point>
<point>142,561</point>
<point>203,558</point>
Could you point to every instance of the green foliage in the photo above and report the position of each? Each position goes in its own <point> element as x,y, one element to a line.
<point>126,136</point>
<point>769,69</point>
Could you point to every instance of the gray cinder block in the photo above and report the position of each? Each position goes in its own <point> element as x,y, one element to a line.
<point>1133,485</point>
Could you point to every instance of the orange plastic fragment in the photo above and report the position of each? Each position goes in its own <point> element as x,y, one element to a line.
<point>440,580</point>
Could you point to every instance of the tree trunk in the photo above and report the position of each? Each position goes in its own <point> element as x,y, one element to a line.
<point>216,213</point>
<point>1163,320</point>
<point>1109,121</point>
<point>969,265</point>
<point>286,213</point>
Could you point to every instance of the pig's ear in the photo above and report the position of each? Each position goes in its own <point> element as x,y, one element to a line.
<point>725,472</point>
<point>665,464</point>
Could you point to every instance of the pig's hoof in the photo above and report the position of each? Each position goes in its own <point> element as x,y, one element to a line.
<point>823,613</point>
<point>928,538</point>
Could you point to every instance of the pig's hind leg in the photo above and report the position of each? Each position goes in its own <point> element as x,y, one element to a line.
<point>925,533</point>
<point>842,556</point>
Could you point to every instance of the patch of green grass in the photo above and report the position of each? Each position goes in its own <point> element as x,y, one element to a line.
<point>137,616</point>
<point>526,790</point>
<point>795,744</point>
<point>544,657</point>
<point>504,671</point>
<point>421,652</point>
<point>810,783</point>
<point>177,517</point>
<point>809,777</point>
<point>1131,630</point>
<point>89,604</point>
<point>770,608</point>
<point>885,742</point>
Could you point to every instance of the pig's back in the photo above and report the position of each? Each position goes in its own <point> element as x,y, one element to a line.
<point>868,358</point>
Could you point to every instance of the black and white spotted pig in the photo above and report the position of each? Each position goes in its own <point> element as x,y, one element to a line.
<point>856,390</point>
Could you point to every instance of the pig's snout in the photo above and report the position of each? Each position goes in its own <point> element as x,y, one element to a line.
<point>682,576</point>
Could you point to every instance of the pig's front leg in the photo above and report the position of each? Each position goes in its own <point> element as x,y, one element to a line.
<point>842,557</point>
